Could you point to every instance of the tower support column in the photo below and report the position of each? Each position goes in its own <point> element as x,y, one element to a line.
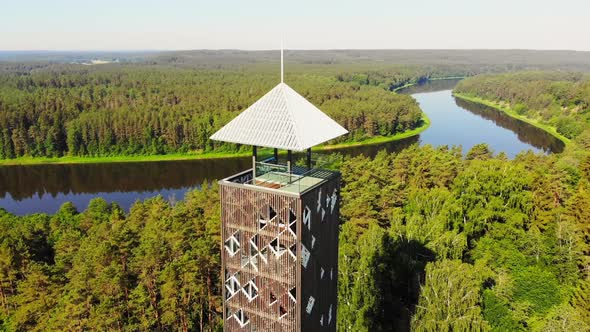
<point>290,163</point>
<point>254,156</point>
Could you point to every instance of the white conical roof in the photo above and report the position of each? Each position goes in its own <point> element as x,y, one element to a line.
<point>281,119</point>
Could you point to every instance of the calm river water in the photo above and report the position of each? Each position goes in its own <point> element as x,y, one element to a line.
<point>44,188</point>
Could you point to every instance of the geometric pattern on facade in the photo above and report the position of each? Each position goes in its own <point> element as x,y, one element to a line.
<point>263,268</point>
<point>277,252</point>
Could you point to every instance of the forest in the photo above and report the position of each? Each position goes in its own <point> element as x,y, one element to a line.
<point>431,239</point>
<point>155,103</point>
<point>74,110</point>
<point>434,241</point>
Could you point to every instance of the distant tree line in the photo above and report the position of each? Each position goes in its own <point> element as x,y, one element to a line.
<point>58,110</point>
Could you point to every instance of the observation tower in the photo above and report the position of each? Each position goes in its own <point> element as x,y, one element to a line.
<point>280,220</point>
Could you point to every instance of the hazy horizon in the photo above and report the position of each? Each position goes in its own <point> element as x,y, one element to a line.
<point>67,25</point>
<point>286,49</point>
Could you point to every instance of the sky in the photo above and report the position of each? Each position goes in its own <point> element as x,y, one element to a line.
<point>304,24</point>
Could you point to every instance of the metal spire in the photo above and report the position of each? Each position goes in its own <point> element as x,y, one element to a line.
<point>282,81</point>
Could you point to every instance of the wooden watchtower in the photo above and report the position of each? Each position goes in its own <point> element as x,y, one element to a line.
<point>280,221</point>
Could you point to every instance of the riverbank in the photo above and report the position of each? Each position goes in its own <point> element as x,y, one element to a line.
<point>379,139</point>
<point>120,159</point>
<point>206,155</point>
<point>512,113</point>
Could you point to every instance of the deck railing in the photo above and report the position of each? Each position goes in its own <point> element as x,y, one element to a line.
<point>264,167</point>
<point>274,175</point>
<point>270,174</point>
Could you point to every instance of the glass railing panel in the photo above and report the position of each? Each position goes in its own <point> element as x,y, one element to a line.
<point>298,179</point>
<point>263,168</point>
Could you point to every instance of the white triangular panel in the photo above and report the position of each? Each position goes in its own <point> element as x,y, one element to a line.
<point>281,119</point>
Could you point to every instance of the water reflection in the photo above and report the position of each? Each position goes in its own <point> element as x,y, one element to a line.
<point>431,86</point>
<point>372,150</point>
<point>43,188</point>
<point>525,132</point>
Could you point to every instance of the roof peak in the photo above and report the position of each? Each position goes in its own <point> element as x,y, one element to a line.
<point>281,119</point>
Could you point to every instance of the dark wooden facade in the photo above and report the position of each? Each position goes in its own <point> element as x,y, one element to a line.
<point>288,250</point>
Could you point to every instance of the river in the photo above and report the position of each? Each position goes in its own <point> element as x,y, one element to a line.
<point>44,188</point>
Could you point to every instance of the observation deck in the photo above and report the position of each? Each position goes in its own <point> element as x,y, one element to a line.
<point>272,175</point>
